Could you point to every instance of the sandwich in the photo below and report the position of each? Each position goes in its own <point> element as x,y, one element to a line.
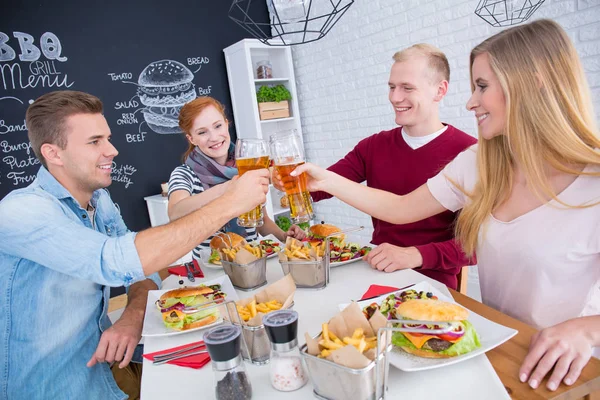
<point>318,233</point>
<point>220,241</point>
<point>164,87</point>
<point>461,339</point>
<point>186,308</point>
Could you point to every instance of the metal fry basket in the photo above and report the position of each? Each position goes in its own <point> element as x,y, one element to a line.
<point>332,381</point>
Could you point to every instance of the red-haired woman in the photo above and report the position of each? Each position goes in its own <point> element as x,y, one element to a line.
<point>208,166</point>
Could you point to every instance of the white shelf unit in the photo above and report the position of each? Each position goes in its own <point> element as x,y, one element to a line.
<point>241,60</point>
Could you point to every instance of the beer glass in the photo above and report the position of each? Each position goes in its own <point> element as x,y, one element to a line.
<point>287,153</point>
<point>251,154</point>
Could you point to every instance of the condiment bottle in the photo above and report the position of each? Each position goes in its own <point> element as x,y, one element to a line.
<point>231,380</point>
<point>287,371</point>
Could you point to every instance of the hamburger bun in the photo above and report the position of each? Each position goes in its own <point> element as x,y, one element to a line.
<point>186,291</point>
<point>424,353</point>
<point>323,230</point>
<point>431,310</point>
<point>226,241</point>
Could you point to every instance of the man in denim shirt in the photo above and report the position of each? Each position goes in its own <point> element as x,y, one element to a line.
<point>63,243</point>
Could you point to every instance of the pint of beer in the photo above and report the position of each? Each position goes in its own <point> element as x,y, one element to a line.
<point>251,154</point>
<point>287,153</point>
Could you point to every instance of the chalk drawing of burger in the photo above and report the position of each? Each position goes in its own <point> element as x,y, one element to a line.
<point>164,87</point>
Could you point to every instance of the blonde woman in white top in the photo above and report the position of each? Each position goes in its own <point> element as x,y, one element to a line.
<point>529,194</point>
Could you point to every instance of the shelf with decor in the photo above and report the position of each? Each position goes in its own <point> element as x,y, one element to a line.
<point>250,66</point>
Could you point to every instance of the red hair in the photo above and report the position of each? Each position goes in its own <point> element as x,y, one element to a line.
<point>190,111</point>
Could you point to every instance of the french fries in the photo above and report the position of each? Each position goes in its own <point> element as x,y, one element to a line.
<point>295,251</point>
<point>329,342</point>
<point>253,308</point>
<point>230,254</point>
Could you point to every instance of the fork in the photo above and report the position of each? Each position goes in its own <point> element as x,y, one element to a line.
<point>195,267</point>
<point>190,274</point>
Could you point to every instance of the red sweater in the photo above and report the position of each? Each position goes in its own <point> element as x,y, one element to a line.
<point>386,162</point>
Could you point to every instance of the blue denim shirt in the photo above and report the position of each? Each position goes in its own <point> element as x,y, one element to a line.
<point>55,274</point>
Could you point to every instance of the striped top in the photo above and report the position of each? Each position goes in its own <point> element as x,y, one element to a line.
<point>184,178</point>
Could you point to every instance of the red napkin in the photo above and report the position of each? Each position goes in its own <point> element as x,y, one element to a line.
<point>377,290</point>
<point>196,361</point>
<point>181,271</point>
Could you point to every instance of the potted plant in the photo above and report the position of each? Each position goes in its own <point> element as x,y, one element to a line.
<point>273,102</point>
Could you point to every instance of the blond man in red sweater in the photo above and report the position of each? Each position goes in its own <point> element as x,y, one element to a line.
<point>402,159</point>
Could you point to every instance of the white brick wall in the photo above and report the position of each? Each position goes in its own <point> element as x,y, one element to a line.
<point>342,78</point>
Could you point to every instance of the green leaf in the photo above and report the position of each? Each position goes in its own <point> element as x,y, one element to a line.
<point>283,223</point>
<point>273,93</point>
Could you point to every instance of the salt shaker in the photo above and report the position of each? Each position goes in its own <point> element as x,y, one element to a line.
<point>231,380</point>
<point>287,372</point>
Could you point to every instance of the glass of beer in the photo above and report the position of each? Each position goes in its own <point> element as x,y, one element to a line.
<point>287,153</point>
<point>251,154</point>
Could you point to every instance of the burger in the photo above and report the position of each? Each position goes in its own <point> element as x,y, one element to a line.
<point>164,87</point>
<point>187,308</point>
<point>228,240</point>
<point>318,233</point>
<point>461,339</point>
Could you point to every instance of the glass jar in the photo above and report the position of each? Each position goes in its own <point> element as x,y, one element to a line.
<point>231,379</point>
<point>286,369</point>
<point>264,70</point>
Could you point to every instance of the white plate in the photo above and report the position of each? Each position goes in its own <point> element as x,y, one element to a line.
<point>153,323</point>
<point>490,334</point>
<point>340,263</point>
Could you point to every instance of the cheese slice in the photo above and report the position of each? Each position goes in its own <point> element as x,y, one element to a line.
<point>419,341</point>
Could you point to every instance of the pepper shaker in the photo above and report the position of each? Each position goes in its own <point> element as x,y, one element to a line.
<point>287,372</point>
<point>231,381</point>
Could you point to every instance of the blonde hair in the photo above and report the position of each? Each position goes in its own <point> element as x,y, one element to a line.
<point>549,121</point>
<point>436,59</point>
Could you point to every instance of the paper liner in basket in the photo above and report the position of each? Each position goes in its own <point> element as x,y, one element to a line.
<point>283,291</point>
<point>343,325</point>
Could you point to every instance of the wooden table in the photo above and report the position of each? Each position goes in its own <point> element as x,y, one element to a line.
<point>507,359</point>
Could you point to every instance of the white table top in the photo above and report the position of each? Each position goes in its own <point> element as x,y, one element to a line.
<point>470,379</point>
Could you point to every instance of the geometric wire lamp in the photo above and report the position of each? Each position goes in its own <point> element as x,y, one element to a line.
<point>292,21</point>
<point>506,12</point>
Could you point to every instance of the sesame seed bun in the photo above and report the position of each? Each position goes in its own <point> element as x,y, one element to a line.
<point>431,310</point>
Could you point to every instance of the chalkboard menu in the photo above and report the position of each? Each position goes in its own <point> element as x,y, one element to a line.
<point>143,59</point>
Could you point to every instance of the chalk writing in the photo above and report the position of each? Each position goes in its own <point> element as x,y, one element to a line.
<point>13,162</point>
<point>20,177</point>
<point>6,147</point>
<point>4,128</point>
<point>204,92</point>
<point>126,104</point>
<point>123,174</point>
<point>127,119</point>
<point>121,76</point>
<point>135,137</point>
<point>12,78</point>
<point>51,47</point>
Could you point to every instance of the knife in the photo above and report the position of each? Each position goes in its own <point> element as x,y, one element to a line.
<point>383,294</point>
<point>190,275</point>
